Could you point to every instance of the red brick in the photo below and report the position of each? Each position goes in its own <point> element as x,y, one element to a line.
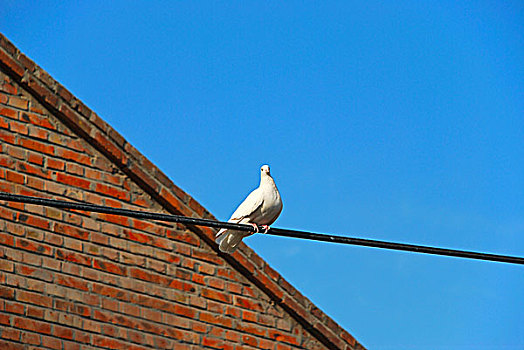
<point>184,311</point>
<point>10,334</point>
<point>137,237</point>
<point>32,170</point>
<point>8,162</point>
<point>9,112</point>
<point>7,293</point>
<point>198,279</point>
<point>250,340</point>
<point>5,319</point>
<point>247,303</point>
<point>64,93</point>
<point>62,332</point>
<point>252,329</point>
<point>37,146</point>
<point>18,128</point>
<point>115,219</point>
<point>109,267</point>
<point>208,270</point>
<point>11,346</point>
<point>35,158</point>
<point>73,257</point>
<point>34,272</point>
<point>26,62</point>
<point>112,191</point>
<point>50,342</point>
<point>216,295</point>
<point>209,256</point>
<point>4,124</point>
<point>18,102</point>
<point>35,312</point>
<point>7,137</point>
<point>213,342</point>
<point>110,148</point>
<point>12,64</point>
<point>14,177</point>
<point>32,325</point>
<point>33,246</point>
<point>73,181</point>
<point>71,231</point>
<point>37,109</point>
<point>37,120</point>
<point>38,133</point>
<point>231,287</point>
<point>93,174</point>
<point>35,183</point>
<point>7,239</point>
<point>72,282</point>
<point>216,319</point>
<point>40,89</point>
<point>14,307</point>
<point>183,237</point>
<point>55,164</point>
<point>279,336</point>
<point>30,338</point>
<point>109,291</point>
<point>110,343</point>
<point>82,337</point>
<point>249,316</point>
<point>73,156</point>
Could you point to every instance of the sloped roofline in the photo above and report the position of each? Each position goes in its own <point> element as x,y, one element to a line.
<point>88,125</point>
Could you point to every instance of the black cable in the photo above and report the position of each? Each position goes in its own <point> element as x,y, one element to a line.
<point>273,231</point>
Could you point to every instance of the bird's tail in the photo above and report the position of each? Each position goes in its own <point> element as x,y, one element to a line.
<point>228,240</point>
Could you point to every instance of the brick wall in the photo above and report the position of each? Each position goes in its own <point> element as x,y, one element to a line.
<point>77,280</point>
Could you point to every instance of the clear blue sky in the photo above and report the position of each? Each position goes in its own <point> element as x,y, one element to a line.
<point>395,120</point>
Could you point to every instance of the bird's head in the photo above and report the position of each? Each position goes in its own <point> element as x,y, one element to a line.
<point>264,170</point>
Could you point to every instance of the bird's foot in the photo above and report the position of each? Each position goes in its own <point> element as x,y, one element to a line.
<point>255,226</point>
<point>266,228</point>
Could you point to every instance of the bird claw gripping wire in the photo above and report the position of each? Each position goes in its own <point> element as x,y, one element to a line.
<point>255,226</point>
<point>257,230</point>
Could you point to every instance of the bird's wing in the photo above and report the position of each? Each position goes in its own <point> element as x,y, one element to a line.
<point>249,206</point>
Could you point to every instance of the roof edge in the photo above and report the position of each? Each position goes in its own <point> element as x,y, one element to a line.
<point>88,125</point>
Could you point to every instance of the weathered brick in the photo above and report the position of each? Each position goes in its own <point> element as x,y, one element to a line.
<point>34,272</point>
<point>30,338</point>
<point>33,246</point>
<point>14,66</point>
<point>18,102</point>
<point>72,282</point>
<point>73,257</point>
<point>52,343</point>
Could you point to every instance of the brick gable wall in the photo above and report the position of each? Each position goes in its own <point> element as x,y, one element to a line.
<point>76,280</point>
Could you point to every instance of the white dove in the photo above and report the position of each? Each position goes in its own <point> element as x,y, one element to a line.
<point>261,207</point>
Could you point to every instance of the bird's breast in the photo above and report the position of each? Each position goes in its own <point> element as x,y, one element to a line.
<point>271,208</point>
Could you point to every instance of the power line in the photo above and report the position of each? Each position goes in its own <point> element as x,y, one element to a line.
<point>273,231</point>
